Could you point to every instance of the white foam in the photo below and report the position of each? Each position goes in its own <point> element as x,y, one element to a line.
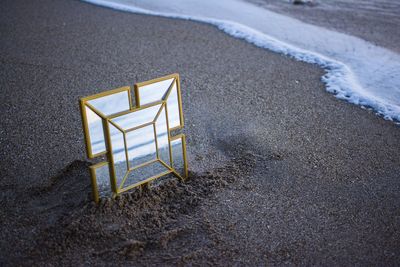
<point>357,71</point>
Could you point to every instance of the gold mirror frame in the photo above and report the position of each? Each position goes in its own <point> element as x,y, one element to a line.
<point>107,121</point>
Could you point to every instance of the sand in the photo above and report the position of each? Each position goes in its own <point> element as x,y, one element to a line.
<point>376,21</point>
<point>280,170</point>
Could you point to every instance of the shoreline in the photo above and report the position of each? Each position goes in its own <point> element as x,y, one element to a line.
<point>343,78</point>
<point>374,21</point>
<point>281,171</point>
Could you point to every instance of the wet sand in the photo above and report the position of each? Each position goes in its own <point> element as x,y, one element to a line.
<point>280,170</point>
<point>376,21</point>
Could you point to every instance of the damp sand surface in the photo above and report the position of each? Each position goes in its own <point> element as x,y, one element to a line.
<point>376,21</point>
<point>281,172</point>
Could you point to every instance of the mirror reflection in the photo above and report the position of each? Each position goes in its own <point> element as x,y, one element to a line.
<point>107,105</point>
<point>103,181</point>
<point>96,134</point>
<point>111,104</point>
<point>137,117</point>
<point>141,145</point>
<point>162,137</point>
<point>154,92</point>
<point>118,153</point>
<point>140,142</point>
<point>145,172</point>
<point>173,108</point>
<point>178,157</point>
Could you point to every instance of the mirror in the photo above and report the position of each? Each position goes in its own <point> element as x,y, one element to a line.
<point>148,172</point>
<point>139,138</point>
<point>154,92</point>
<point>137,117</point>
<point>118,154</point>
<point>178,157</point>
<point>141,146</point>
<point>162,137</point>
<point>173,105</point>
<point>113,102</point>
<point>100,180</point>
<point>96,134</point>
<point>167,90</point>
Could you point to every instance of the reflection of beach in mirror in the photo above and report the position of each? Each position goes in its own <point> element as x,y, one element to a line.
<point>140,142</point>
<point>111,104</point>
<point>162,138</point>
<point>177,156</point>
<point>118,153</point>
<point>137,118</point>
<point>145,172</point>
<point>96,134</point>
<point>173,108</point>
<point>141,145</point>
<point>154,92</point>
<point>107,105</point>
<point>103,181</point>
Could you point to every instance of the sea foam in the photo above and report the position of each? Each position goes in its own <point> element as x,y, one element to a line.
<point>356,70</point>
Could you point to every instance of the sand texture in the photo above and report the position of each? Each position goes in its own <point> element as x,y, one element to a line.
<point>281,172</point>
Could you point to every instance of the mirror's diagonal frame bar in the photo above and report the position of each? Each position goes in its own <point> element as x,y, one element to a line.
<point>160,79</point>
<point>159,112</point>
<point>176,80</point>
<point>178,92</point>
<point>123,180</point>
<point>117,126</point>
<point>168,92</point>
<point>172,170</point>
<point>132,169</point>
<point>145,181</point>
<point>83,102</point>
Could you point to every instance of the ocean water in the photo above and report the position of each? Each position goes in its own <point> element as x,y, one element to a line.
<point>356,70</point>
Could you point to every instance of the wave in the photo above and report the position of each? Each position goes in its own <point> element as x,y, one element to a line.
<point>356,71</point>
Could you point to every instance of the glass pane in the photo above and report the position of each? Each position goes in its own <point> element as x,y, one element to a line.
<point>137,118</point>
<point>145,172</point>
<point>141,145</point>
<point>173,108</point>
<point>103,181</point>
<point>112,103</point>
<point>118,153</point>
<point>162,138</point>
<point>96,133</point>
<point>177,156</point>
<point>154,92</point>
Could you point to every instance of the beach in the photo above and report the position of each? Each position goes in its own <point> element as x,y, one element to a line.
<point>281,171</point>
<point>376,21</point>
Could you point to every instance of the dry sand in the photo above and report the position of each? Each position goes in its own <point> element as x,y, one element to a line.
<point>280,170</point>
